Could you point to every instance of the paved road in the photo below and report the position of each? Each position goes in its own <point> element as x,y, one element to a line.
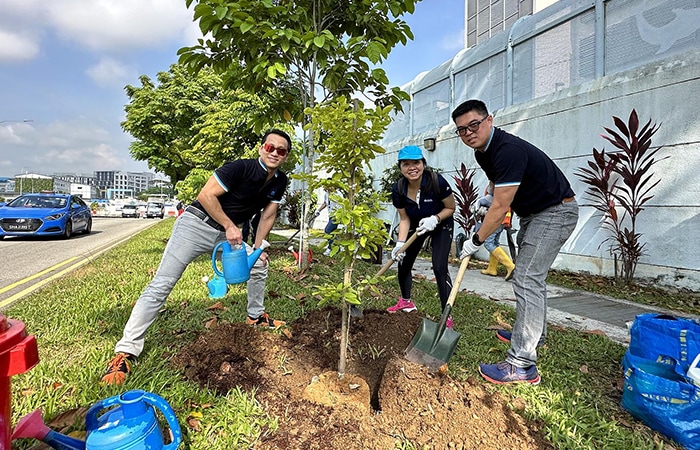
<point>29,263</point>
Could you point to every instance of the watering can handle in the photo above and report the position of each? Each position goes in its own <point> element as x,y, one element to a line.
<point>213,259</point>
<point>91,415</point>
<point>167,411</point>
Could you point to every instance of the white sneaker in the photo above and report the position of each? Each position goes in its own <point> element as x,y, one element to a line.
<point>327,252</point>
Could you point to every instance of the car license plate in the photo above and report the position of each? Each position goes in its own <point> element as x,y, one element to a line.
<point>18,227</point>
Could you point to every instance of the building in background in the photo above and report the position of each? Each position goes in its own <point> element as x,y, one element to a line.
<point>484,18</point>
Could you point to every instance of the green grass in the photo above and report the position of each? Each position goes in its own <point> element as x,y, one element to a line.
<point>78,319</point>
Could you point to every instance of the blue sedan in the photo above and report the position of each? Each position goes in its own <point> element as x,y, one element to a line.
<point>45,215</point>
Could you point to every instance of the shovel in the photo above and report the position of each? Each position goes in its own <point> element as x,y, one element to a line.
<point>433,344</point>
<point>357,312</point>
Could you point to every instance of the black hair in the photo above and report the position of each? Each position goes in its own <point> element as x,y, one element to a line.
<point>470,105</point>
<point>278,133</point>
<point>433,184</point>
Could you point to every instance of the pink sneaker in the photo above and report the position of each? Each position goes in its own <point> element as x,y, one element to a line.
<point>402,305</point>
<point>450,324</point>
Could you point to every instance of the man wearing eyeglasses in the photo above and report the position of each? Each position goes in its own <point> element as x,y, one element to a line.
<point>525,179</point>
<point>233,194</point>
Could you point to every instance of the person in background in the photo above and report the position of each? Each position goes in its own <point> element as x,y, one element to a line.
<point>426,204</point>
<point>180,208</point>
<point>492,243</point>
<point>330,226</point>
<point>232,195</point>
<point>527,181</point>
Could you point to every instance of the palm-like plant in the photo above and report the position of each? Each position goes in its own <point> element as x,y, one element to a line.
<point>465,195</point>
<point>623,180</point>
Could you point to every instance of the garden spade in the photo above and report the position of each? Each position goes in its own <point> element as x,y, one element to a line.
<point>433,344</point>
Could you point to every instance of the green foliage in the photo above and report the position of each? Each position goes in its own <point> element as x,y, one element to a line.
<point>390,176</point>
<point>624,180</point>
<point>33,185</point>
<point>320,44</point>
<point>188,121</point>
<point>188,189</point>
<point>292,205</point>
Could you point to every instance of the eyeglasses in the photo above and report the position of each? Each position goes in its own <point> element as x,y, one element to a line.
<point>472,126</point>
<point>269,148</point>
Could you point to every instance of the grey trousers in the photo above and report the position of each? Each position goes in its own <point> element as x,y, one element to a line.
<point>190,238</point>
<point>540,238</point>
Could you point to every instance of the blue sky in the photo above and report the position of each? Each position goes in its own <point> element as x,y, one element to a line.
<point>64,65</point>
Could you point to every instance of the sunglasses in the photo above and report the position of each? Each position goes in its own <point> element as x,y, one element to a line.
<point>269,148</point>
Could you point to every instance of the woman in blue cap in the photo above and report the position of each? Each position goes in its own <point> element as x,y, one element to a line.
<point>425,204</point>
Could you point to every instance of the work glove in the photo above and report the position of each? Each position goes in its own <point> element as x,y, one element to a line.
<point>486,201</point>
<point>469,248</point>
<point>427,224</point>
<point>395,255</point>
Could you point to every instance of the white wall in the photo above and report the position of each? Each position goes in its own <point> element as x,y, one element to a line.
<point>567,125</point>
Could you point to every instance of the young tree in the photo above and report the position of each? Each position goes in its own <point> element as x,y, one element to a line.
<point>349,133</point>
<point>326,47</point>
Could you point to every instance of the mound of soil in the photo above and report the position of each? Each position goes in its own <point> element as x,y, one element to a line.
<point>381,399</point>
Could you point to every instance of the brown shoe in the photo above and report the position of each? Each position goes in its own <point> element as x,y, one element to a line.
<point>118,368</point>
<point>264,321</point>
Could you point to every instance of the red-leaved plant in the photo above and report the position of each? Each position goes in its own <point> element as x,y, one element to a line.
<point>465,194</point>
<point>622,180</point>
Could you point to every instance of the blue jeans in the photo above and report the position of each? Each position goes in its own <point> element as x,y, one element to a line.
<point>492,242</point>
<point>190,238</point>
<point>540,238</point>
<point>330,227</point>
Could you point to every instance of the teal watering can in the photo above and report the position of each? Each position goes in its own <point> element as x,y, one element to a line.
<point>128,422</point>
<point>235,261</point>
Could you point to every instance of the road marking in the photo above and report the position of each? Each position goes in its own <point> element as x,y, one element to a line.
<point>34,287</point>
<point>37,275</point>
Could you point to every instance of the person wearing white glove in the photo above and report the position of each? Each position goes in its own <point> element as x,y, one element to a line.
<point>331,226</point>
<point>425,203</point>
<point>528,182</point>
<point>396,254</point>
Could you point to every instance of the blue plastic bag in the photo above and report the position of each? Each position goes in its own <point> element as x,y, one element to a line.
<point>660,395</point>
<point>659,336</point>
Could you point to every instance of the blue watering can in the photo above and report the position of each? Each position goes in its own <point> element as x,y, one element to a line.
<point>217,286</point>
<point>130,424</point>
<point>235,261</point>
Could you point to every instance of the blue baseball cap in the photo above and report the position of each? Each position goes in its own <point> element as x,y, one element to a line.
<point>410,152</point>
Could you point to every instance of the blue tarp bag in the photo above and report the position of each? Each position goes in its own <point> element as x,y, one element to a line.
<point>659,336</point>
<point>660,394</point>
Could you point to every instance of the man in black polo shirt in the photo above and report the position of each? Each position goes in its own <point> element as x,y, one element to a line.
<point>233,194</point>
<point>524,178</point>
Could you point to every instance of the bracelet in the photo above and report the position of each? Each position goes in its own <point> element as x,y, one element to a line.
<point>475,240</point>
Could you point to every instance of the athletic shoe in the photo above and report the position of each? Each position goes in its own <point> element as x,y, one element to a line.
<point>402,305</point>
<point>505,336</point>
<point>264,321</point>
<point>506,373</point>
<point>327,252</point>
<point>450,323</point>
<point>118,368</point>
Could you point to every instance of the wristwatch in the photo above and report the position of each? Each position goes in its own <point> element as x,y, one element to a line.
<point>475,239</point>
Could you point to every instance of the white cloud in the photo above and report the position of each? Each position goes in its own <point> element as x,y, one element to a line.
<point>17,47</point>
<point>121,25</point>
<point>112,73</point>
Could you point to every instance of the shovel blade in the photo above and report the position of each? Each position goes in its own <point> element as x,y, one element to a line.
<point>431,348</point>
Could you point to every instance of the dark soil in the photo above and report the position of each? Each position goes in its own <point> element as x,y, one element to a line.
<point>382,398</point>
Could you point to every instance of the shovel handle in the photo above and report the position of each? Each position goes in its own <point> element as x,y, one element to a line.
<point>403,248</point>
<point>458,281</point>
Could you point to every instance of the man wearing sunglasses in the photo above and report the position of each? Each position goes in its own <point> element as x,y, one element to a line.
<point>524,178</point>
<point>233,194</point>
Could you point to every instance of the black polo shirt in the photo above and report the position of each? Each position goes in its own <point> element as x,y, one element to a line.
<point>512,161</point>
<point>430,203</point>
<point>247,192</point>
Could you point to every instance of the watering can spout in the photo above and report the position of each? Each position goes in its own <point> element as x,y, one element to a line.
<point>253,257</point>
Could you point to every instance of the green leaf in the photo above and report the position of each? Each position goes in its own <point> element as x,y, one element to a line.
<point>319,41</point>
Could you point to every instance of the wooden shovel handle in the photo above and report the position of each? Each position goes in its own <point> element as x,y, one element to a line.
<point>403,248</point>
<point>458,281</point>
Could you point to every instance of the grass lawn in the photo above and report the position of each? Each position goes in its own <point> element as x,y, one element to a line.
<point>78,319</point>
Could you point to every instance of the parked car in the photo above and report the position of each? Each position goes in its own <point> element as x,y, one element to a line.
<point>154,209</point>
<point>45,215</point>
<point>130,211</point>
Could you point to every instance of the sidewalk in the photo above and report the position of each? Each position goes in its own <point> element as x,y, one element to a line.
<point>580,310</point>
